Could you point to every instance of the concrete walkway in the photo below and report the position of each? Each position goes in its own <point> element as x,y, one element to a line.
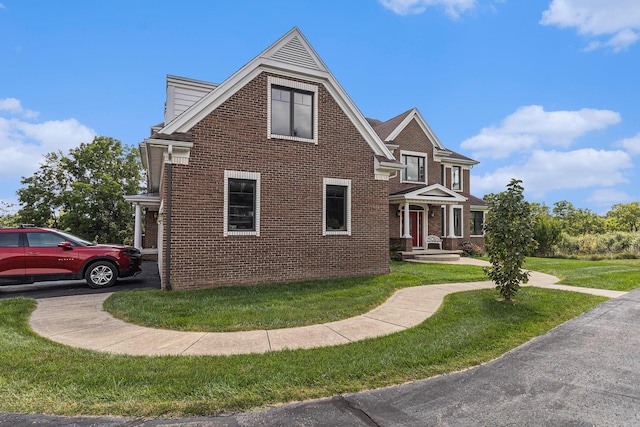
<point>79,321</point>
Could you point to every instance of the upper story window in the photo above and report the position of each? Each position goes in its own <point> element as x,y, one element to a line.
<point>456,178</point>
<point>241,203</point>
<point>292,110</point>
<point>415,170</point>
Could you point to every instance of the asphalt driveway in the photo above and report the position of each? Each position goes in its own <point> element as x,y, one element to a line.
<point>585,372</point>
<point>149,278</point>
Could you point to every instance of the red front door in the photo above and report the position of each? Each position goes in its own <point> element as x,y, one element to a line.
<point>416,228</point>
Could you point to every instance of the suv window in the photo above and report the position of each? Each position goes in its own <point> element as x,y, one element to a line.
<point>9,240</point>
<point>43,239</point>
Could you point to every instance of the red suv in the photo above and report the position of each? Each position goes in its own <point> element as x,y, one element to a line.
<point>32,254</point>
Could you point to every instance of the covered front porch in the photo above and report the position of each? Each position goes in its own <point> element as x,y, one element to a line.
<point>427,219</point>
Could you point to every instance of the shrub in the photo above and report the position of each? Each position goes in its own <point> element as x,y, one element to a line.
<point>614,244</point>
<point>471,249</point>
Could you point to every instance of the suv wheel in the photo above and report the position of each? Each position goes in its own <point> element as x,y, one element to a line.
<point>101,274</point>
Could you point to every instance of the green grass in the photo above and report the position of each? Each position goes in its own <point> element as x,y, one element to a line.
<point>617,275</point>
<point>278,305</point>
<point>39,376</point>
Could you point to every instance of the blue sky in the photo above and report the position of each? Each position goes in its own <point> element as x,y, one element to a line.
<point>544,91</point>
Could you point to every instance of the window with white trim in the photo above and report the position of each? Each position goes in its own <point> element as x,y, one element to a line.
<point>456,178</point>
<point>457,222</point>
<point>477,223</point>
<point>336,207</point>
<point>292,110</point>
<point>241,203</point>
<point>416,170</point>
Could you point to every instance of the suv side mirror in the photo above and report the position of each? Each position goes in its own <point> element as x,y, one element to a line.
<point>65,245</point>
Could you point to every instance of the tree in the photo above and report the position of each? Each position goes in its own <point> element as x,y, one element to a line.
<point>547,230</point>
<point>7,217</point>
<point>624,217</point>
<point>508,238</point>
<point>577,222</point>
<point>83,191</point>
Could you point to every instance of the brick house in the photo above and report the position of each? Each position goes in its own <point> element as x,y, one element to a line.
<point>431,196</point>
<point>274,176</point>
<point>271,176</point>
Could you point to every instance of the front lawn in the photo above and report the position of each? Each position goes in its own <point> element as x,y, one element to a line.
<point>617,275</point>
<point>40,376</point>
<point>278,305</point>
<point>37,375</point>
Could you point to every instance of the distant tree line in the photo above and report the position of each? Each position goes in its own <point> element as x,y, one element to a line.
<point>566,230</point>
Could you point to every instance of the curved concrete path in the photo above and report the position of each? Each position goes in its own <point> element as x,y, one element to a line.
<point>79,321</point>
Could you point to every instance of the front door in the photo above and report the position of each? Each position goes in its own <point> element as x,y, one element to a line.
<point>416,228</point>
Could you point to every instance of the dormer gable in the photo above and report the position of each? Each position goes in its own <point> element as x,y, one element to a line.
<point>182,93</point>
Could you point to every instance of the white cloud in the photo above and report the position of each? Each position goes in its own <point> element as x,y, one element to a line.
<point>631,145</point>
<point>531,127</point>
<point>608,197</point>
<point>453,8</point>
<point>23,143</point>
<point>14,106</point>
<point>546,171</point>
<point>615,21</point>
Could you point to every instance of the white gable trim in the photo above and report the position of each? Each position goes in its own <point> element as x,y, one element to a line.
<point>415,115</point>
<point>433,194</point>
<point>290,56</point>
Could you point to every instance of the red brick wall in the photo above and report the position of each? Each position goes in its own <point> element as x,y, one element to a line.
<point>412,138</point>
<point>291,246</point>
<point>150,238</point>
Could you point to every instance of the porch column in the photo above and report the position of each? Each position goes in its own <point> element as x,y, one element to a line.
<point>137,233</point>
<point>407,222</point>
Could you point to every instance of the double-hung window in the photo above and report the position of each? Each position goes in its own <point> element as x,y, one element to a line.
<point>456,178</point>
<point>241,203</point>
<point>415,170</point>
<point>336,206</point>
<point>292,110</point>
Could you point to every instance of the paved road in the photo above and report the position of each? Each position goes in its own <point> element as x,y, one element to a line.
<point>586,372</point>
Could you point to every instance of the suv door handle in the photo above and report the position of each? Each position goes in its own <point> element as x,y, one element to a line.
<point>33,253</point>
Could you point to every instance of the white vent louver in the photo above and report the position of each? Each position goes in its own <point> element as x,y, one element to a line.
<point>294,52</point>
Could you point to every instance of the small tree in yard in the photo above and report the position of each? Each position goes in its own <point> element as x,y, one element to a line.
<point>509,237</point>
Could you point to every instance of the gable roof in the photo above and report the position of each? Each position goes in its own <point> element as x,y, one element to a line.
<point>291,55</point>
<point>435,193</point>
<point>390,129</point>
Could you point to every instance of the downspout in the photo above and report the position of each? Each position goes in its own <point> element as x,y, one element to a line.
<point>167,264</point>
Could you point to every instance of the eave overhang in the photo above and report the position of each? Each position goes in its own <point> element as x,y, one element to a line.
<point>156,152</point>
<point>149,201</point>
